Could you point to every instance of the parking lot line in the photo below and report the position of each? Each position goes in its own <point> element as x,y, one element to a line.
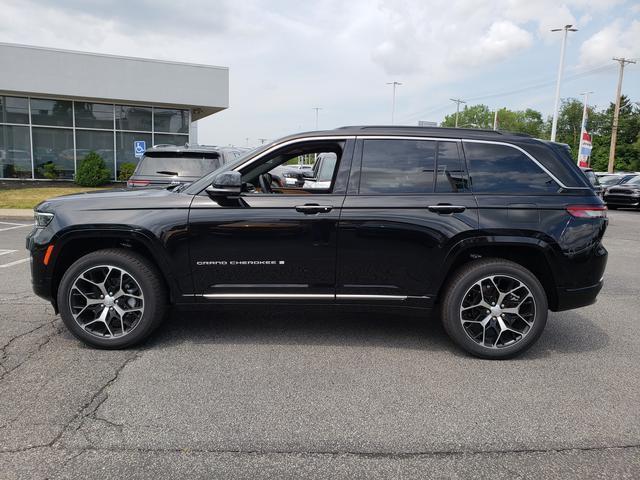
<point>12,226</point>
<point>17,262</point>
<point>6,252</point>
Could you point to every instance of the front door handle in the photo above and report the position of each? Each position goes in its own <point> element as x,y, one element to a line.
<point>311,208</point>
<point>445,208</point>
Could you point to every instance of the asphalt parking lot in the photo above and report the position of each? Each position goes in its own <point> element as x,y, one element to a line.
<point>309,395</point>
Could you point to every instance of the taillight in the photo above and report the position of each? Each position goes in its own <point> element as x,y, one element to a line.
<point>588,211</point>
<point>137,183</point>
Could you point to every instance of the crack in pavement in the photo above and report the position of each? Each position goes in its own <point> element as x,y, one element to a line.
<point>398,455</point>
<point>4,355</point>
<point>89,408</point>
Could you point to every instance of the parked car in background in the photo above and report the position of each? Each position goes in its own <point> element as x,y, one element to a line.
<point>624,195</point>
<point>292,175</point>
<point>593,180</point>
<point>611,179</point>
<point>167,165</point>
<point>322,173</point>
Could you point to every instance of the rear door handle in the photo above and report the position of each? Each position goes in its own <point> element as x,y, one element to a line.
<point>444,208</point>
<point>311,208</point>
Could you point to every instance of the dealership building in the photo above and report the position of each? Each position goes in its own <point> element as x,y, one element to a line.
<point>56,106</point>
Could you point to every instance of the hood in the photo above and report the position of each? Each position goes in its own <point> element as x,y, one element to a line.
<point>119,198</point>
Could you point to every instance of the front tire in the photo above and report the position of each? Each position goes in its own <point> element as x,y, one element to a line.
<point>494,308</point>
<point>112,298</point>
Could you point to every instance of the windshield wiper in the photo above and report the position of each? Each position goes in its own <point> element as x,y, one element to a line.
<point>167,172</point>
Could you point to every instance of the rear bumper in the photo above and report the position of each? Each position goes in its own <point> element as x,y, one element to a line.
<point>569,298</point>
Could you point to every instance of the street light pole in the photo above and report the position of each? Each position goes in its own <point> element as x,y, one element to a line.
<point>458,102</point>
<point>393,103</point>
<point>317,109</point>
<point>554,124</point>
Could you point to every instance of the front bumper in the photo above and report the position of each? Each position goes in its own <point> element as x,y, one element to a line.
<point>622,200</point>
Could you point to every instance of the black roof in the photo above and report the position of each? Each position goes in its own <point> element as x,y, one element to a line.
<point>417,131</point>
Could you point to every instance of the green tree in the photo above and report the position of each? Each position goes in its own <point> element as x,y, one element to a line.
<point>628,139</point>
<point>92,172</point>
<point>475,116</point>
<point>481,116</point>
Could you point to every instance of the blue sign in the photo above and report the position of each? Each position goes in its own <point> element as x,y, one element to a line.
<point>139,146</point>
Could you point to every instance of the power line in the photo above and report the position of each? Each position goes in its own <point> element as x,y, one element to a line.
<point>534,86</point>
<point>616,113</point>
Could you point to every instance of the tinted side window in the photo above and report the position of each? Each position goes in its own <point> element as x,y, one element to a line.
<point>397,166</point>
<point>451,177</point>
<point>504,169</point>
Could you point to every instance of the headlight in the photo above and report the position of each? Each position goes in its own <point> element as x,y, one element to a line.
<point>42,219</point>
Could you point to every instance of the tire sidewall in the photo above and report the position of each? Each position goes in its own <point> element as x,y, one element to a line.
<point>142,275</point>
<point>455,295</point>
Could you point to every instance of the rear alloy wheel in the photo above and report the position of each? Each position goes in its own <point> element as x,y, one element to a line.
<point>494,309</point>
<point>111,298</point>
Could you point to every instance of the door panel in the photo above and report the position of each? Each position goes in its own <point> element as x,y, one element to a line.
<point>273,245</point>
<point>394,245</point>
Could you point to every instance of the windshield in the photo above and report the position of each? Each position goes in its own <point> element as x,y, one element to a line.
<point>609,180</point>
<point>177,165</point>
<point>633,181</point>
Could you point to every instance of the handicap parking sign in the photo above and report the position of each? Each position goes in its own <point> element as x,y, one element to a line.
<point>139,146</point>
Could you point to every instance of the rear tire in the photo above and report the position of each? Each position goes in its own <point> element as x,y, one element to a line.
<point>112,298</point>
<point>494,308</point>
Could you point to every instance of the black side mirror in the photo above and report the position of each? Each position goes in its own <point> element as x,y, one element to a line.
<point>226,184</point>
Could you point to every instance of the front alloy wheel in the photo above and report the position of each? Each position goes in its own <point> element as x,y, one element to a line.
<point>112,298</point>
<point>106,301</point>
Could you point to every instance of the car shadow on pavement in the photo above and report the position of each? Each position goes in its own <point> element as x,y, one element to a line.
<point>565,333</point>
<point>317,327</point>
<point>569,332</point>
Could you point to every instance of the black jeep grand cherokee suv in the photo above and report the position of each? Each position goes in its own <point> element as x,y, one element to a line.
<point>489,229</point>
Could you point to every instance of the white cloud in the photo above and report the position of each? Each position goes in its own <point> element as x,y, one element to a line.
<point>286,56</point>
<point>618,39</point>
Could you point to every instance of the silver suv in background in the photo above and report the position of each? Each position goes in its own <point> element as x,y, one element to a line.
<point>171,165</point>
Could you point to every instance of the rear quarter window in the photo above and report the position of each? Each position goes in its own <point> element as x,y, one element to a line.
<point>504,169</point>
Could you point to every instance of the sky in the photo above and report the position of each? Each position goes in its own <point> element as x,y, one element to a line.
<point>286,57</point>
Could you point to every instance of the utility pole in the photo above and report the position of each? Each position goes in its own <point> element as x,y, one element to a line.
<point>556,106</point>
<point>495,120</point>
<point>317,109</point>
<point>616,113</point>
<point>262,140</point>
<point>583,127</point>
<point>393,103</point>
<point>457,102</point>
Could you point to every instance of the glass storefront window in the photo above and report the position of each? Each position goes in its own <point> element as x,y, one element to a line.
<point>51,112</point>
<point>133,118</point>
<point>15,152</point>
<point>37,134</point>
<point>170,121</point>
<point>14,110</point>
<point>99,142</point>
<point>125,147</point>
<point>170,139</point>
<point>94,115</point>
<point>53,153</point>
